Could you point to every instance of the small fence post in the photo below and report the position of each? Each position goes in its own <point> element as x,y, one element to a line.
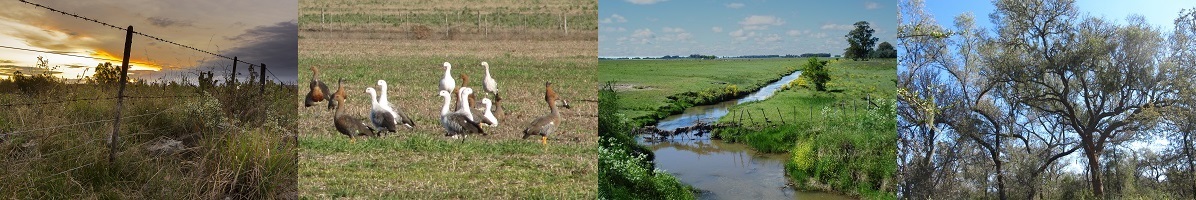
<point>234,76</point>
<point>780,115</point>
<point>262,90</point>
<point>120,94</point>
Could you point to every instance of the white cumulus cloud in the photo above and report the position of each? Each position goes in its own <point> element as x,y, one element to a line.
<point>645,2</point>
<point>716,29</point>
<point>871,5</point>
<point>760,22</point>
<point>735,5</point>
<point>614,18</point>
<point>840,27</point>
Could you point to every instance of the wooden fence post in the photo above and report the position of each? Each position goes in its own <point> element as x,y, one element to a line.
<point>234,76</point>
<point>120,94</point>
<point>780,115</point>
<point>262,89</point>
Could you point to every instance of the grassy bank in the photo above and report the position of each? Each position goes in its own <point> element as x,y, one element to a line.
<point>651,90</point>
<point>842,140</point>
<point>625,168</point>
<point>226,148</point>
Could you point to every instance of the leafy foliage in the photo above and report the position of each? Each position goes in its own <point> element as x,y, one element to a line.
<point>817,73</point>
<point>860,41</point>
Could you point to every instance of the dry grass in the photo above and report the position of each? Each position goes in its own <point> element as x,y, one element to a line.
<point>420,162</point>
<point>221,156</point>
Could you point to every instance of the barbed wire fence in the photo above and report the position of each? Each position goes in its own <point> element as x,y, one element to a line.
<point>121,96</point>
<point>743,120</point>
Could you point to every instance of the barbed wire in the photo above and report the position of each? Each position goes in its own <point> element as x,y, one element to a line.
<point>95,99</point>
<point>134,32</point>
<point>83,123</point>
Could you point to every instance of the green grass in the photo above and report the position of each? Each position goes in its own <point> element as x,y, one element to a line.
<point>645,86</point>
<point>444,168</point>
<point>421,162</point>
<point>838,140</point>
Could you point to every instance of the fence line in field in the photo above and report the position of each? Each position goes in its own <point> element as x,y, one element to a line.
<point>124,68</point>
<point>771,117</point>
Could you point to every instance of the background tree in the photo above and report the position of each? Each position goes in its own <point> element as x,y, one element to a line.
<point>106,73</point>
<point>860,41</point>
<point>817,73</point>
<point>885,50</point>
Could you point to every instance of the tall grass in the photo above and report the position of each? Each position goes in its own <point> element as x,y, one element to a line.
<point>843,141</point>
<point>625,169</point>
<point>224,152</point>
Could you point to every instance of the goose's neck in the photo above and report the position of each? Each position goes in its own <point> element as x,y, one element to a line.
<point>552,107</point>
<point>445,109</point>
<point>487,71</point>
<point>464,102</point>
<point>448,70</point>
<point>382,96</point>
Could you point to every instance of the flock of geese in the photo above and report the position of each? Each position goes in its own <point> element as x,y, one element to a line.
<point>458,122</point>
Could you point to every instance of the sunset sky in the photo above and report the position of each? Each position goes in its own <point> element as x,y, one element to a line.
<point>254,31</point>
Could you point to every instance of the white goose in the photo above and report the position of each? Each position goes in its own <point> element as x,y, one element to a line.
<point>488,118</point>
<point>399,116</point>
<point>488,83</point>
<point>447,83</point>
<point>456,123</point>
<point>383,120</point>
<point>463,102</point>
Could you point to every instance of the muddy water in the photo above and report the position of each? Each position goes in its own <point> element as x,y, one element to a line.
<point>726,170</point>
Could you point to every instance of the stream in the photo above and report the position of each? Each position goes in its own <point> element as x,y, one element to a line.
<point>726,170</point>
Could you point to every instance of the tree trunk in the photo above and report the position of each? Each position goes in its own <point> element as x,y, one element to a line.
<point>1000,174</point>
<point>1191,165</point>
<point>1094,170</point>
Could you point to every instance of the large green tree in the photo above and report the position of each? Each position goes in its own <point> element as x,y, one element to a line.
<point>860,41</point>
<point>1103,82</point>
<point>885,50</point>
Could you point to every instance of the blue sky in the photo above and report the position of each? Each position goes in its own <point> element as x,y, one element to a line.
<point>1160,13</point>
<point>731,28</point>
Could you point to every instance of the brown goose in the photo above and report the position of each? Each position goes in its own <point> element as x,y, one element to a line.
<point>464,84</point>
<point>547,124</point>
<point>348,125</point>
<point>337,96</point>
<point>317,89</point>
<point>456,123</point>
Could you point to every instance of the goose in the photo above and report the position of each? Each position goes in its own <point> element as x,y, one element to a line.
<point>545,125</point>
<point>383,120</point>
<point>348,125</point>
<point>463,102</point>
<point>317,89</point>
<point>488,117</point>
<point>338,95</point>
<point>446,83</point>
<point>464,84</point>
<point>400,117</point>
<point>455,123</point>
<point>488,83</point>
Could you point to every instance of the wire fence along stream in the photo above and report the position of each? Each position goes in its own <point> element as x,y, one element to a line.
<point>760,118</point>
<point>120,97</point>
